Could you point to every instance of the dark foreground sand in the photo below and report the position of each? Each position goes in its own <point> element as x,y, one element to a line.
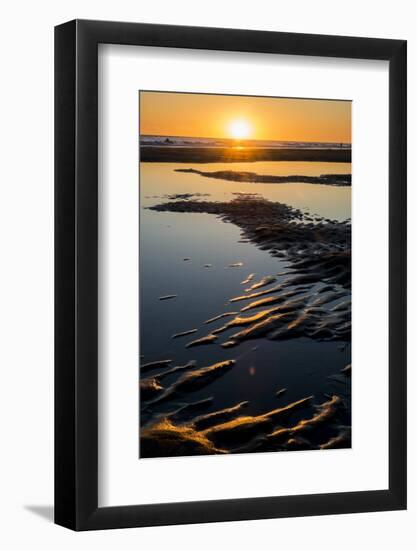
<point>311,299</point>
<point>239,154</point>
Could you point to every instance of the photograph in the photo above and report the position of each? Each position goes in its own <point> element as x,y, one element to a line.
<point>179,284</point>
<point>244,274</point>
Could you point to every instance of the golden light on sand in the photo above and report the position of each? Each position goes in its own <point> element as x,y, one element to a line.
<point>239,129</point>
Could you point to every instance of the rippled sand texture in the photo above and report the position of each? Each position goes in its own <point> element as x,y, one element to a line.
<point>185,431</point>
<point>311,299</point>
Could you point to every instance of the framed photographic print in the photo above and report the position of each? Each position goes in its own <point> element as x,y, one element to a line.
<point>230,275</point>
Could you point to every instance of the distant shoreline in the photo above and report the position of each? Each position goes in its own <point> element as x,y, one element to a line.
<point>245,154</point>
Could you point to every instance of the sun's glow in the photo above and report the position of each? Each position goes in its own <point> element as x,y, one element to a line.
<point>239,129</point>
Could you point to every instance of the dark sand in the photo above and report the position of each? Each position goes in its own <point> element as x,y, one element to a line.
<point>227,431</point>
<point>310,300</point>
<point>340,180</point>
<point>320,251</point>
<point>239,154</point>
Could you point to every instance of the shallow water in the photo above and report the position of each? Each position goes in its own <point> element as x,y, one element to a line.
<point>158,179</point>
<point>166,238</point>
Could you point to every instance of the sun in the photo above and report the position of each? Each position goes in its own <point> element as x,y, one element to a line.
<point>239,129</point>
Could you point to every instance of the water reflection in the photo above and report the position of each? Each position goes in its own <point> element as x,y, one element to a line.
<point>175,250</point>
<point>159,179</point>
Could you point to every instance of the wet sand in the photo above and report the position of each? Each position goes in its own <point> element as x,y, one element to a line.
<point>321,426</point>
<point>253,177</point>
<point>239,154</point>
<point>311,299</point>
<point>319,249</point>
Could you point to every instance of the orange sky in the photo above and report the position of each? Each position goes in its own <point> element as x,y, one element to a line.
<point>205,115</point>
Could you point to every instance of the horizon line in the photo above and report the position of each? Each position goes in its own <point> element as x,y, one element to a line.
<point>242,140</point>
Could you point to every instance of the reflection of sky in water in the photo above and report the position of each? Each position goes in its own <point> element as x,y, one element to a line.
<point>166,238</point>
<point>324,200</point>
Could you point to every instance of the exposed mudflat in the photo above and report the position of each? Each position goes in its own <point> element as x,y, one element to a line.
<point>253,177</point>
<point>239,154</point>
<point>300,425</point>
<point>309,300</point>
<point>319,251</point>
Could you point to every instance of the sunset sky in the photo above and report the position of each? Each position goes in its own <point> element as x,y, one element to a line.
<point>221,116</point>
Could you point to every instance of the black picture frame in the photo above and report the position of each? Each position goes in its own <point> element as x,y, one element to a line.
<point>76,272</point>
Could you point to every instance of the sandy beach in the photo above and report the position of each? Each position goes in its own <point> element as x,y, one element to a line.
<point>240,154</point>
<point>245,274</point>
<point>310,300</point>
